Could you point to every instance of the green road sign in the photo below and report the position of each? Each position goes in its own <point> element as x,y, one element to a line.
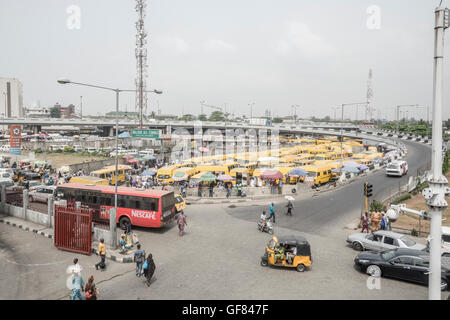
<point>145,133</point>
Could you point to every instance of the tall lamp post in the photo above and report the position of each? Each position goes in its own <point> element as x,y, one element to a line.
<point>295,106</point>
<point>117,91</point>
<point>435,194</point>
<point>251,110</point>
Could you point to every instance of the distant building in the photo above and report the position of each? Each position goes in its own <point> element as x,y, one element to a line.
<point>165,117</point>
<point>37,112</point>
<point>11,98</point>
<point>66,112</point>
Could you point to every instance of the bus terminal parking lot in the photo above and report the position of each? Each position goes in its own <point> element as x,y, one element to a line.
<point>218,258</point>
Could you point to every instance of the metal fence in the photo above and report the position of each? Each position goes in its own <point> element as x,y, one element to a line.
<point>73,229</point>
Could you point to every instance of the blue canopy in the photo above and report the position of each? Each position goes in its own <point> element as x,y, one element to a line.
<point>125,134</point>
<point>148,173</point>
<point>350,169</point>
<point>298,172</point>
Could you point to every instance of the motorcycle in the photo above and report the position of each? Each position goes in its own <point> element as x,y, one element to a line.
<point>268,227</point>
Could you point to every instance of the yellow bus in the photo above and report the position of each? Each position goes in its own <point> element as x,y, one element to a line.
<point>319,174</point>
<point>220,168</point>
<point>164,174</point>
<point>108,173</point>
<point>188,170</point>
<point>89,180</point>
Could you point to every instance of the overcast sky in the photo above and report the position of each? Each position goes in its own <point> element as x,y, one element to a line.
<point>312,53</point>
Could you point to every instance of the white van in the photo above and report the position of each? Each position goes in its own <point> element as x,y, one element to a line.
<point>91,150</point>
<point>397,168</point>
<point>146,152</point>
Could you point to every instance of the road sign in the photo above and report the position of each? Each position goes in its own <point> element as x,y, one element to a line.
<point>15,141</point>
<point>145,133</point>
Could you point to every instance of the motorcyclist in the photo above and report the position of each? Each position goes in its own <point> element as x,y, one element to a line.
<point>263,220</point>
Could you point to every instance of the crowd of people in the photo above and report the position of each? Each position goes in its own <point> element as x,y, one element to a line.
<point>376,221</point>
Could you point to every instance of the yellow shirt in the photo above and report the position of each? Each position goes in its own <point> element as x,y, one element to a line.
<point>101,248</point>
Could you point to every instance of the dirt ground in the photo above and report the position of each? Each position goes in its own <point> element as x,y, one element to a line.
<point>64,159</point>
<point>417,202</point>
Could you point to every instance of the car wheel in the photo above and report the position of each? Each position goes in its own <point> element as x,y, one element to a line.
<point>357,246</point>
<point>374,271</point>
<point>122,222</point>
<point>444,285</point>
<point>264,263</point>
<point>270,231</point>
<point>300,267</point>
<point>447,254</point>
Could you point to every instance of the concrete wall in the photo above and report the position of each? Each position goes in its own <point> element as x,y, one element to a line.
<point>93,165</point>
<point>99,233</point>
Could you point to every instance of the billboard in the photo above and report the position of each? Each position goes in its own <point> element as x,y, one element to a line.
<point>15,140</point>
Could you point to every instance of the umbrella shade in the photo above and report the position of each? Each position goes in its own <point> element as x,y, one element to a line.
<point>139,159</point>
<point>148,173</point>
<point>133,161</point>
<point>64,169</point>
<point>208,177</point>
<point>272,174</point>
<point>351,164</point>
<point>125,134</point>
<point>362,167</point>
<point>350,169</point>
<point>337,170</point>
<point>225,177</point>
<point>128,157</point>
<point>149,157</point>
<point>179,176</point>
<point>297,172</point>
<point>203,149</point>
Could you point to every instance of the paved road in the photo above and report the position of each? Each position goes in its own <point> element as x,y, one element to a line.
<point>322,213</point>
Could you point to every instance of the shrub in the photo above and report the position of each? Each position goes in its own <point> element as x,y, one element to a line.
<point>414,232</point>
<point>401,198</point>
<point>377,206</point>
<point>68,149</point>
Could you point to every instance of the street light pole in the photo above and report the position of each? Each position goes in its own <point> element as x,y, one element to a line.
<point>81,107</point>
<point>398,114</point>
<point>435,194</point>
<point>117,91</point>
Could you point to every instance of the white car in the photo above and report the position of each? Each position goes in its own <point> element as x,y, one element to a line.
<point>42,194</point>
<point>445,241</point>
<point>4,148</point>
<point>397,168</point>
<point>91,150</point>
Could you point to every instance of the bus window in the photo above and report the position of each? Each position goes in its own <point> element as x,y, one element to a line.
<point>151,204</point>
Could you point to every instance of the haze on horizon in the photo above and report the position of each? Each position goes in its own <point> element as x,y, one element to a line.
<point>316,54</point>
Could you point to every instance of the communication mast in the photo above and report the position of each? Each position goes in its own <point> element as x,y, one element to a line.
<point>141,61</point>
<point>369,108</point>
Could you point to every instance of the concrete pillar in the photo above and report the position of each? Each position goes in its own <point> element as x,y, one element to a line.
<point>3,197</point>
<point>50,212</point>
<point>113,228</point>
<point>25,203</point>
<point>111,131</point>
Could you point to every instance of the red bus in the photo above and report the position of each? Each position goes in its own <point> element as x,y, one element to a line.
<point>142,208</point>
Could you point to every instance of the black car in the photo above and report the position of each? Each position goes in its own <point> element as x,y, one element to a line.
<point>405,264</point>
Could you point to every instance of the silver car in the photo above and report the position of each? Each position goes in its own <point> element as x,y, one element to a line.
<point>42,194</point>
<point>382,240</point>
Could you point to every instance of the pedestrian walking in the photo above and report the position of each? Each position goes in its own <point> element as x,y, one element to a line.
<point>228,190</point>
<point>102,254</point>
<point>181,223</point>
<point>211,190</point>
<point>77,284</point>
<point>90,289</point>
<point>139,258</point>
<point>365,223</point>
<point>272,212</point>
<point>383,222</point>
<point>149,268</point>
<point>289,208</point>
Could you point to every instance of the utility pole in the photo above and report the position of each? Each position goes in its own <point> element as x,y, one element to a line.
<point>435,194</point>
<point>81,107</point>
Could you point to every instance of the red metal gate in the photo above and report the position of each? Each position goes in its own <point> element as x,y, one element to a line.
<point>73,229</point>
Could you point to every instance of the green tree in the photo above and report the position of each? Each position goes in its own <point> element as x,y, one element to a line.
<point>202,117</point>
<point>217,116</point>
<point>187,117</point>
<point>55,112</point>
<point>277,120</point>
